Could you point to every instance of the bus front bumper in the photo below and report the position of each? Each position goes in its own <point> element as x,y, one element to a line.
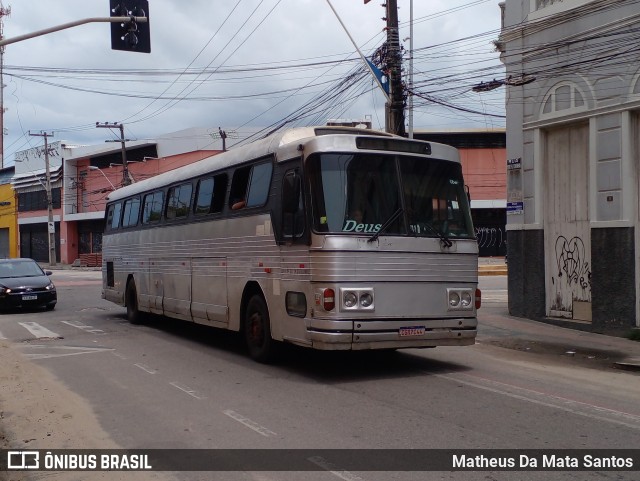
<point>391,334</point>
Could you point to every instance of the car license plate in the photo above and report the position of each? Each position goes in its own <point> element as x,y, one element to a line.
<point>29,298</point>
<point>412,331</point>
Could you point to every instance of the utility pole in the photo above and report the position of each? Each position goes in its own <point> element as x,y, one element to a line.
<point>3,12</point>
<point>51,224</point>
<point>126,176</point>
<point>395,107</point>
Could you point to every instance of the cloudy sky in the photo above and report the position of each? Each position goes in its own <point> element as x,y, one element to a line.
<point>247,66</point>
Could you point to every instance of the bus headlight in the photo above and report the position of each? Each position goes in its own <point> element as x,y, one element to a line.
<point>454,299</point>
<point>356,299</point>
<point>460,299</point>
<point>350,299</point>
<point>366,299</point>
<point>465,299</point>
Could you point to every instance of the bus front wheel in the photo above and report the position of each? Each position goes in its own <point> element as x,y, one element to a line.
<point>131,299</point>
<point>257,330</point>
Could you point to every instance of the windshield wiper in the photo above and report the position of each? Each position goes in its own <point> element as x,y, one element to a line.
<point>386,225</point>
<point>441,235</point>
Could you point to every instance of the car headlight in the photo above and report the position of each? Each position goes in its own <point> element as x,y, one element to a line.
<point>4,290</point>
<point>51,287</point>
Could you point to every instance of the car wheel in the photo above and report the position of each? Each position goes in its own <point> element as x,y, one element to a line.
<point>257,330</point>
<point>50,307</point>
<point>134,316</point>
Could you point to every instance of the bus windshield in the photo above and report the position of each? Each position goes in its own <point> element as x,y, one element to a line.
<point>359,193</point>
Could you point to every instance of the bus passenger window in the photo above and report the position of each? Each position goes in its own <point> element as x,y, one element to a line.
<point>239,185</point>
<point>179,201</point>
<point>210,194</point>
<point>152,209</point>
<point>113,216</point>
<point>131,212</point>
<point>259,185</point>
<point>250,186</point>
<point>204,196</point>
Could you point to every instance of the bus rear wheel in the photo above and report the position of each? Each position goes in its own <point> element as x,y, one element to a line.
<point>257,330</point>
<point>134,316</point>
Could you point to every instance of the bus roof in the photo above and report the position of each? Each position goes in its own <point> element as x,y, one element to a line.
<point>254,150</point>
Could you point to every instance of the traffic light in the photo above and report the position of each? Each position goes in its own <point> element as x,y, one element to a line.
<point>130,36</point>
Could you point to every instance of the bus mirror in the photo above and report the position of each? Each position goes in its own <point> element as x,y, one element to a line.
<point>291,193</point>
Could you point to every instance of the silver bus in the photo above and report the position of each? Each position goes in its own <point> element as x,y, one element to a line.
<point>324,237</point>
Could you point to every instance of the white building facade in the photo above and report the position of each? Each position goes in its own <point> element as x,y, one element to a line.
<point>573,125</point>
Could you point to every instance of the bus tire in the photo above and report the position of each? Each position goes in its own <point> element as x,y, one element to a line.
<point>134,316</point>
<point>257,330</point>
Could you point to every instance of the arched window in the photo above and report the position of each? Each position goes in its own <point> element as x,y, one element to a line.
<point>562,99</point>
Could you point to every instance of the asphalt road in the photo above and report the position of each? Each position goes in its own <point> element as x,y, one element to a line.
<point>169,384</point>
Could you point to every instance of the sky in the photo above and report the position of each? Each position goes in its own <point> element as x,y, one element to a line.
<point>247,66</point>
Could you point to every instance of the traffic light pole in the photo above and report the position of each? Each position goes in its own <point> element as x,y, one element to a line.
<point>77,23</point>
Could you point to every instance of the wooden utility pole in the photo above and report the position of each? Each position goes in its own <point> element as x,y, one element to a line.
<point>395,107</point>
<point>126,176</point>
<point>51,225</point>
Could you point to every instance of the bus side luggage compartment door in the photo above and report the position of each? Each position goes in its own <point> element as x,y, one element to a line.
<point>209,290</point>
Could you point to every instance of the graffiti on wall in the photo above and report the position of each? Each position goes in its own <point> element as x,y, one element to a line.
<point>571,261</point>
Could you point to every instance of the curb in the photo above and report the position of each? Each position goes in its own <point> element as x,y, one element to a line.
<point>629,365</point>
<point>492,270</point>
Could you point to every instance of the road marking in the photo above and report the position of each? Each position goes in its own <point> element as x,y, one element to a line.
<point>549,400</point>
<point>186,389</point>
<point>249,423</point>
<point>38,331</point>
<point>83,327</point>
<point>2,336</point>
<point>77,351</point>
<point>342,474</point>
<point>118,355</point>
<point>146,369</point>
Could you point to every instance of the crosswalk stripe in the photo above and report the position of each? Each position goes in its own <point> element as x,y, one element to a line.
<point>37,330</point>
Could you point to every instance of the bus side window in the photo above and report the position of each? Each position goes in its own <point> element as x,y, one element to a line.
<point>113,216</point>
<point>238,194</point>
<point>259,184</point>
<point>250,186</point>
<point>152,209</point>
<point>210,194</point>
<point>131,212</point>
<point>179,201</point>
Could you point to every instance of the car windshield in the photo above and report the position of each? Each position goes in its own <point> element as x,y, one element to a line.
<point>359,193</point>
<point>20,269</point>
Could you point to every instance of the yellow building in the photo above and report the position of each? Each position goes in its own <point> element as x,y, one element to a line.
<point>8,215</point>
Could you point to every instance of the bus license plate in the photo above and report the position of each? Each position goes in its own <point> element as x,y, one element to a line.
<point>29,298</point>
<point>412,331</point>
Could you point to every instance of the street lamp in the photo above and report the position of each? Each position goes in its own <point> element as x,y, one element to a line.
<point>93,167</point>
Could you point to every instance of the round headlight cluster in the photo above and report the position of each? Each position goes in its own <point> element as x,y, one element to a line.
<point>357,299</point>
<point>460,299</point>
